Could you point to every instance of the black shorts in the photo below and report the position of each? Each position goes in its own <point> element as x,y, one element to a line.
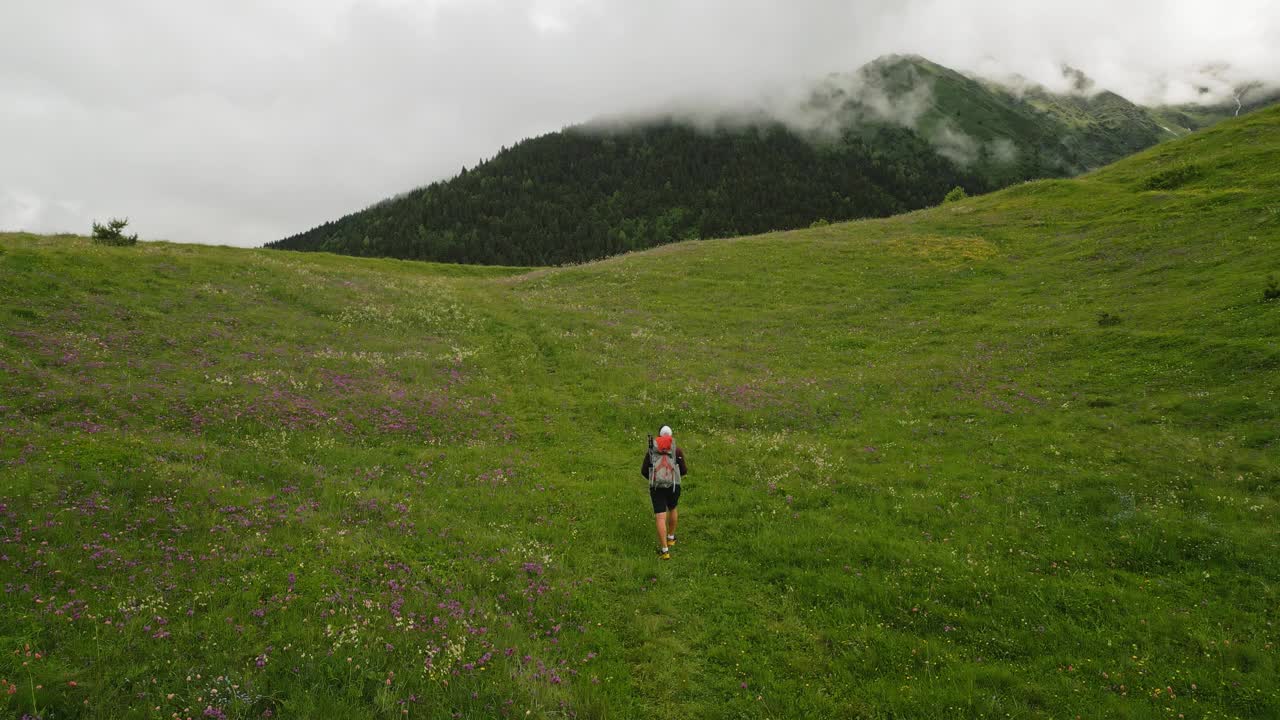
<point>664,499</point>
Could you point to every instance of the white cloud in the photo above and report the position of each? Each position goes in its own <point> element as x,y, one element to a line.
<point>241,121</point>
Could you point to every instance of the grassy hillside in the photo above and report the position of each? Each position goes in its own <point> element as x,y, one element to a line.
<point>1016,456</point>
<point>895,135</point>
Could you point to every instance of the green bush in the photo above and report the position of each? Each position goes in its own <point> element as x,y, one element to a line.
<point>113,233</point>
<point>1272,290</point>
<point>1106,319</point>
<point>1172,178</point>
<point>957,193</point>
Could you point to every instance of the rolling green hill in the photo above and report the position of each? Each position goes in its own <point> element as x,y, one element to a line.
<point>894,136</point>
<point>1014,456</point>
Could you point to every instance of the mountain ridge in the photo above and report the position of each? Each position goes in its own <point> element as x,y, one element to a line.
<point>895,135</point>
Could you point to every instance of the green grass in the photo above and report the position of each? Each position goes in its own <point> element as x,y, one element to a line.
<point>926,482</point>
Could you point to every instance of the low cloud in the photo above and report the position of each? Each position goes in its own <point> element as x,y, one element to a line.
<point>827,109</point>
<point>1003,151</point>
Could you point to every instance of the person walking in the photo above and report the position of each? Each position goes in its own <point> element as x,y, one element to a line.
<point>664,465</point>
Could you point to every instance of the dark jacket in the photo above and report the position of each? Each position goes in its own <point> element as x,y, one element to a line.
<point>684,469</point>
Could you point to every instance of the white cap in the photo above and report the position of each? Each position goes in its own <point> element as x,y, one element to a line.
<point>665,431</point>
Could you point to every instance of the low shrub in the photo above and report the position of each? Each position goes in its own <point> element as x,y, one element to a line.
<point>113,233</point>
<point>1172,178</point>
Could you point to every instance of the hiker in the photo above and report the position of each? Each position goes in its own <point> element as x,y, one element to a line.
<point>663,467</point>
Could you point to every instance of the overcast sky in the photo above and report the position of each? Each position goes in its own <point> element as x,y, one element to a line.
<point>240,121</point>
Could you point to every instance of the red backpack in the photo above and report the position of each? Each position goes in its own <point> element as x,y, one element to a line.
<point>664,469</point>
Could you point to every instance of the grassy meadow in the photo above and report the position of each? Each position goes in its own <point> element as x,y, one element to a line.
<point>1012,457</point>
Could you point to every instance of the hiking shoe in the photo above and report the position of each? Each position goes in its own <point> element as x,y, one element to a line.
<point>671,542</point>
<point>664,554</point>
